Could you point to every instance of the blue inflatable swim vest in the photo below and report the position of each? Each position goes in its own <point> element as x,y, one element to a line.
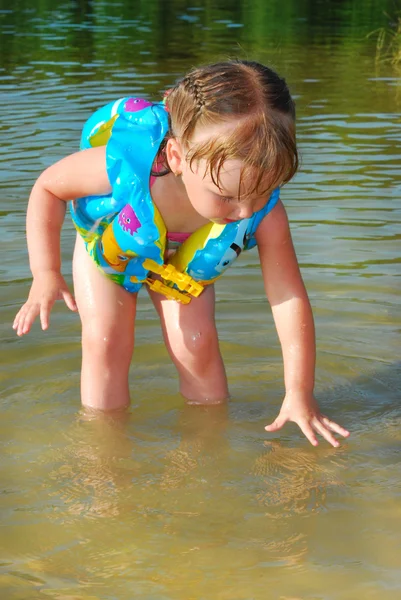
<point>124,232</point>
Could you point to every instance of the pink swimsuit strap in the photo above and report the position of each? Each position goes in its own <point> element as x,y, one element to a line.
<point>156,168</point>
<point>177,237</point>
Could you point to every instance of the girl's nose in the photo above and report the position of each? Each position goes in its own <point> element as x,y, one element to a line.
<point>245,211</point>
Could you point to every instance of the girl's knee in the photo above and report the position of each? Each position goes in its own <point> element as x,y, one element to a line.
<point>107,345</point>
<point>196,345</point>
<point>200,366</point>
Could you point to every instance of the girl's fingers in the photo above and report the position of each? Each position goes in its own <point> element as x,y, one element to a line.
<point>25,317</point>
<point>17,324</point>
<point>29,311</point>
<point>18,317</point>
<point>45,309</point>
<point>30,316</point>
<point>20,320</point>
<point>324,432</point>
<point>335,427</point>
<point>24,322</point>
<point>277,424</point>
<point>317,423</point>
<point>308,432</point>
<point>69,300</point>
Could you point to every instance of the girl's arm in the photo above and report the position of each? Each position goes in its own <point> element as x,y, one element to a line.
<point>80,174</point>
<point>293,318</point>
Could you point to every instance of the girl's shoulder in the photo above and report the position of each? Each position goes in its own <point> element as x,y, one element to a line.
<point>274,228</point>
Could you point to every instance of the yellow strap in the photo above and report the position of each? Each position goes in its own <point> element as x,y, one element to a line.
<point>171,294</point>
<point>169,273</point>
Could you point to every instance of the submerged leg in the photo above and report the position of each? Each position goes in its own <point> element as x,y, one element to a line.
<point>191,338</point>
<point>107,313</point>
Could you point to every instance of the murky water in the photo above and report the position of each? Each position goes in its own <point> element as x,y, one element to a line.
<point>178,503</point>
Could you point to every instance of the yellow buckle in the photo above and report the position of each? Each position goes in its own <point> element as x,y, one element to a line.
<point>170,293</point>
<point>169,273</point>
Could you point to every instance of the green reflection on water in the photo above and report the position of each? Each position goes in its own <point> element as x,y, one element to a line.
<point>131,32</point>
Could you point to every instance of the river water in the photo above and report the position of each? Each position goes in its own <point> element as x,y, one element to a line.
<point>177,503</point>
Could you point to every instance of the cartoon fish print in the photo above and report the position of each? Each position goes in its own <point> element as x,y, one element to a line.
<point>136,104</point>
<point>111,251</point>
<point>128,220</point>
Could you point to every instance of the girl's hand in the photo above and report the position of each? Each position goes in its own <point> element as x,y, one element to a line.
<point>301,408</point>
<point>47,287</point>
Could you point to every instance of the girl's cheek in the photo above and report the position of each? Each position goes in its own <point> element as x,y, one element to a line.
<point>218,208</point>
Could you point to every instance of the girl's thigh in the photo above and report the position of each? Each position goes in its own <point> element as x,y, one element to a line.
<point>101,302</point>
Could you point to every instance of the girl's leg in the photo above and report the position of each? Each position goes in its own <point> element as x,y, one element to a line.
<point>107,313</point>
<point>191,338</point>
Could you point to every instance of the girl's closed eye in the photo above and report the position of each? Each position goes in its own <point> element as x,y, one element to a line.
<point>226,198</point>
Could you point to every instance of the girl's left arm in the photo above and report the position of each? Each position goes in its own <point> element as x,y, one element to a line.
<point>293,318</point>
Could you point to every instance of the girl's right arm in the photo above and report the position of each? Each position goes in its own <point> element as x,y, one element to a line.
<point>80,174</point>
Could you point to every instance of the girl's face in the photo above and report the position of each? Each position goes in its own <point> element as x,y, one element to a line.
<point>229,202</point>
<point>222,204</point>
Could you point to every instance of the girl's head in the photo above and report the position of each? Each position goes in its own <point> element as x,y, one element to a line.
<point>232,123</point>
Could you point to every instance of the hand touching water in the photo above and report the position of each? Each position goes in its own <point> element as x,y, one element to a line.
<point>301,408</point>
<point>47,287</point>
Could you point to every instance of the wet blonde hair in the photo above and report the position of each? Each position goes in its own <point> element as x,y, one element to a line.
<point>259,100</point>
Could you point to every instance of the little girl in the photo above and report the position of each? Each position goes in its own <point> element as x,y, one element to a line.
<point>169,194</point>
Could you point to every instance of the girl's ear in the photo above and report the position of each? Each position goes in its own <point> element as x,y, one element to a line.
<point>174,155</point>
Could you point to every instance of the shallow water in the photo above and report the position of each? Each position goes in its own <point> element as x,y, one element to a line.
<point>173,502</point>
